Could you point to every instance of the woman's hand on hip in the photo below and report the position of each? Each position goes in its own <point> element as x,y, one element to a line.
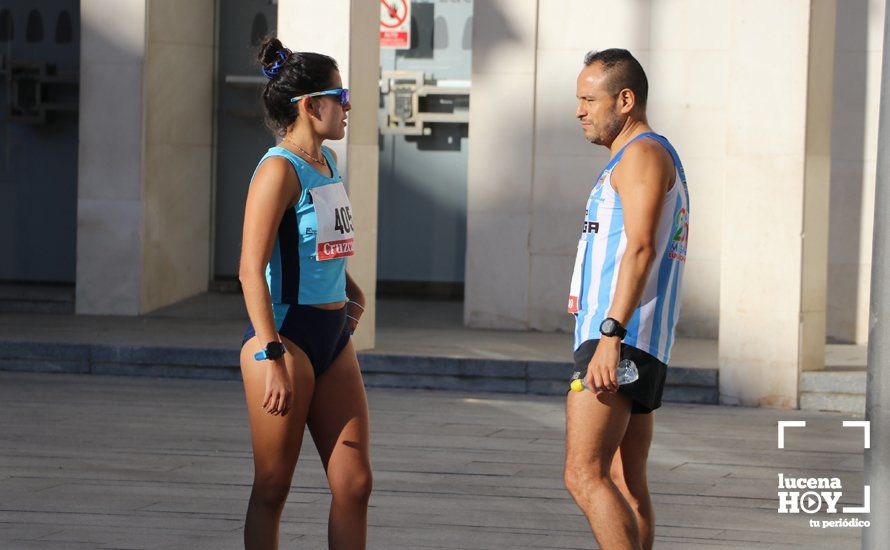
<point>278,398</point>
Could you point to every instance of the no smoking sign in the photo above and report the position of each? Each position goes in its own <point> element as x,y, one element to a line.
<point>395,24</point>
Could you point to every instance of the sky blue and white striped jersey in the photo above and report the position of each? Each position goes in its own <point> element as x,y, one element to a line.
<point>601,248</point>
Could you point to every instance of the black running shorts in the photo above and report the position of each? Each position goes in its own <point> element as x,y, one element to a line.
<point>647,390</point>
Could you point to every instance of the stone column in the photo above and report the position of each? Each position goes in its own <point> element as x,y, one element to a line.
<point>877,458</point>
<point>501,164</point>
<point>857,90</point>
<point>775,215</point>
<point>348,31</point>
<point>146,108</point>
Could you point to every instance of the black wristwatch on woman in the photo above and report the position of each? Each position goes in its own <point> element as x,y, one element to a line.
<point>274,350</point>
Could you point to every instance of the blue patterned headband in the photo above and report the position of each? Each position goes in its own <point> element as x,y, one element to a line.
<point>273,70</point>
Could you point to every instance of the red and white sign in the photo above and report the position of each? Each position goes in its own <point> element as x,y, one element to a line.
<point>395,24</point>
<point>335,237</point>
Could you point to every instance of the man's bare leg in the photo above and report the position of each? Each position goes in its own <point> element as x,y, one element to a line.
<point>595,426</point>
<point>629,474</point>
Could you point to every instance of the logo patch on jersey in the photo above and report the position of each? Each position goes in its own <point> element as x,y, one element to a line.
<point>597,198</point>
<point>681,236</point>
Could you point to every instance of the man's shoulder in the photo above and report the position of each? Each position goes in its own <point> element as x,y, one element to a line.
<point>647,154</point>
<point>640,149</point>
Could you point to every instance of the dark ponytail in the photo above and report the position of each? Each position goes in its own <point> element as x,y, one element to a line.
<point>290,74</point>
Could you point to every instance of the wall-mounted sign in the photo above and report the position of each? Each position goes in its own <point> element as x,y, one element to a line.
<point>395,24</point>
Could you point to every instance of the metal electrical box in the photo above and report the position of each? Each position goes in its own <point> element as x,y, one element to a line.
<point>413,103</point>
<point>37,88</point>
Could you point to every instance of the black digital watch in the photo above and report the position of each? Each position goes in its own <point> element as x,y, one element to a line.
<point>274,350</point>
<point>611,327</point>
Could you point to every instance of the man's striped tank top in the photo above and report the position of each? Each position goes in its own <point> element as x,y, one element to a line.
<point>601,248</point>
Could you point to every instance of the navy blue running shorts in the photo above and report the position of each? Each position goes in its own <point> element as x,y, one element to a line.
<point>320,333</point>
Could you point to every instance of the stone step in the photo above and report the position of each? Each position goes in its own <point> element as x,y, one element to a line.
<point>37,298</point>
<point>848,403</point>
<point>834,381</point>
<point>685,385</point>
<point>836,390</point>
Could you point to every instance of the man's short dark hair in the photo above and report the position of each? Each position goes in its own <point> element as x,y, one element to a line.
<point>622,71</point>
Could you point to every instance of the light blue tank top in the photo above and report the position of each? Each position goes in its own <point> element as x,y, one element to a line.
<point>601,249</point>
<point>294,274</point>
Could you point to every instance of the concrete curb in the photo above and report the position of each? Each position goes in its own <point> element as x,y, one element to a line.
<point>684,385</point>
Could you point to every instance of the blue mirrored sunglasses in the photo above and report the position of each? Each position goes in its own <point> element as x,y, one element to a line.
<point>343,94</point>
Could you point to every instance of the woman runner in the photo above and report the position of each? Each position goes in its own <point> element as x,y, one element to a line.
<point>297,360</point>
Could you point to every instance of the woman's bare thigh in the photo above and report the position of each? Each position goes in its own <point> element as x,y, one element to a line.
<point>276,439</point>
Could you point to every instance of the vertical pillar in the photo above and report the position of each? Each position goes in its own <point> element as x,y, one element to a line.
<point>817,185</point>
<point>111,154</point>
<point>877,409</point>
<point>773,266</point>
<point>857,90</point>
<point>146,108</point>
<point>501,164</point>
<point>348,31</point>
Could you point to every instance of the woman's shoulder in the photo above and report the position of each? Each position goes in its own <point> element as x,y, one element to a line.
<point>279,152</point>
<point>287,158</point>
<point>275,166</point>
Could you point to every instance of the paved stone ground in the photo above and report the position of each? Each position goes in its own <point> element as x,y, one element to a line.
<point>127,463</point>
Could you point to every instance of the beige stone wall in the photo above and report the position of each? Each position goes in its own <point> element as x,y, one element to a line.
<point>772,283</point>
<point>853,155</point>
<point>689,79</point>
<point>758,168</point>
<point>525,227</point>
<point>178,138</point>
<point>501,164</point>
<point>530,168</point>
<point>146,107</point>
<point>109,188</point>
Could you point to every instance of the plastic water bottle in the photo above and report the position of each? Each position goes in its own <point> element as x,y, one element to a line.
<point>627,373</point>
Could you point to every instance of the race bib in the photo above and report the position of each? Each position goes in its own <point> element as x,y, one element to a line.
<point>575,288</point>
<point>589,228</point>
<point>335,237</point>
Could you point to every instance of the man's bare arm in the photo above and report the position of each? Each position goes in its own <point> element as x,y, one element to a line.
<point>642,179</point>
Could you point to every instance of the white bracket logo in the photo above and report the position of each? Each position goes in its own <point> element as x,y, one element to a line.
<point>865,425</point>
<point>788,424</point>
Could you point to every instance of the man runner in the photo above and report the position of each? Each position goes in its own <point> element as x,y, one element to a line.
<point>625,294</point>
